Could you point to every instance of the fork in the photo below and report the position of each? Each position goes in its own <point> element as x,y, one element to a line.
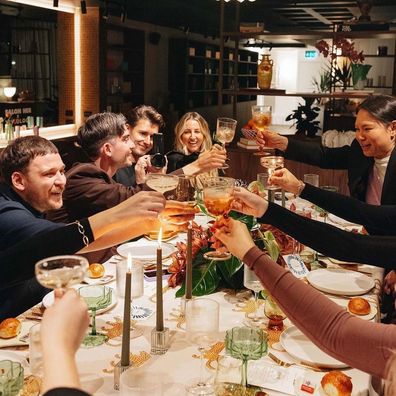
<point>282,363</point>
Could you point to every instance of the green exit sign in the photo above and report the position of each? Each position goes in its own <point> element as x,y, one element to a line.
<point>311,54</point>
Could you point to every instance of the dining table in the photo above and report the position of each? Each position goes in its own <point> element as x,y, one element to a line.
<point>278,372</point>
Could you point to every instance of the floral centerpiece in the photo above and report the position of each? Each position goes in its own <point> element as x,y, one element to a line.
<point>210,275</point>
<point>346,61</point>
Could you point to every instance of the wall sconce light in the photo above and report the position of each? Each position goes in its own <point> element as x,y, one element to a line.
<point>83,7</point>
<point>9,92</point>
<point>55,3</point>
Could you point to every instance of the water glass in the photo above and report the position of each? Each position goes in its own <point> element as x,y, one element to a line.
<point>311,178</point>
<point>36,351</point>
<point>137,283</point>
<point>228,375</point>
<point>138,382</point>
<point>263,179</point>
<point>11,378</point>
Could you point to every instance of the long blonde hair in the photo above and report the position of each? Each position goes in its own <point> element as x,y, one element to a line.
<point>203,126</point>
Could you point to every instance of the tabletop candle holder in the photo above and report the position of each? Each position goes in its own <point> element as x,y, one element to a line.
<point>125,363</point>
<point>160,334</point>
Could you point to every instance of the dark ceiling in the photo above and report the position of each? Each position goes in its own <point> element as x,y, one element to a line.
<point>202,16</point>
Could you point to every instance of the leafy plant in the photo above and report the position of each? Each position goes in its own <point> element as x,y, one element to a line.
<point>208,276</point>
<point>305,116</point>
<point>324,82</point>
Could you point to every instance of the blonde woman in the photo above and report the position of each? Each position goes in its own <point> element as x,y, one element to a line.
<point>193,147</point>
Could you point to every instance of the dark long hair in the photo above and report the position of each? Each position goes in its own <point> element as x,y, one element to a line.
<point>382,107</point>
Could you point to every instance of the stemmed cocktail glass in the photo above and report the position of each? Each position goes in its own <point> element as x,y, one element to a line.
<point>60,272</point>
<point>246,343</point>
<point>225,132</point>
<point>97,297</point>
<point>202,329</point>
<point>272,163</point>
<point>274,314</point>
<point>217,197</point>
<point>262,118</point>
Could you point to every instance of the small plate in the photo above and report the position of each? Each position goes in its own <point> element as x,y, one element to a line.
<point>48,300</point>
<point>140,313</point>
<point>344,303</point>
<point>145,250</point>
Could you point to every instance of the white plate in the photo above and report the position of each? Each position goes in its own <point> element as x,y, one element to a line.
<point>99,281</point>
<point>14,357</point>
<point>145,250</point>
<point>303,350</point>
<point>48,300</point>
<point>344,303</point>
<point>340,281</point>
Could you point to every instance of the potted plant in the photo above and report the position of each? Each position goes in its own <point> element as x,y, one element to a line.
<point>305,117</point>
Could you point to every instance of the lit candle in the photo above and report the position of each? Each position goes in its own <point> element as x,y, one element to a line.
<point>189,263</point>
<point>160,315</point>
<point>127,315</point>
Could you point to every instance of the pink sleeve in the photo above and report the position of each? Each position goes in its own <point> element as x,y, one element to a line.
<point>361,344</point>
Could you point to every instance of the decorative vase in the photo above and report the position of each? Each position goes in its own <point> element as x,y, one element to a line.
<point>359,75</point>
<point>264,72</point>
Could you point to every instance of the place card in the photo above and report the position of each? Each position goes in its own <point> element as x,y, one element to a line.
<point>270,376</point>
<point>296,265</point>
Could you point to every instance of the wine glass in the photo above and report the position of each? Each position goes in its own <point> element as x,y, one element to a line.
<point>252,282</point>
<point>274,314</point>
<point>246,343</point>
<point>97,297</point>
<point>272,163</point>
<point>225,132</point>
<point>262,118</point>
<point>202,329</point>
<point>217,197</point>
<point>185,190</point>
<point>59,272</point>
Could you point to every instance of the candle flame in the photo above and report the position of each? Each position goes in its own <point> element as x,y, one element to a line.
<point>160,237</point>
<point>129,262</point>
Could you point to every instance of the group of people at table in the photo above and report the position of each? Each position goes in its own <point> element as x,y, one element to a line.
<point>102,202</point>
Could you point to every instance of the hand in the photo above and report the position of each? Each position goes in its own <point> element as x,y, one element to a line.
<point>236,237</point>
<point>272,139</point>
<point>207,161</point>
<point>390,283</point>
<point>248,203</point>
<point>284,179</point>
<point>141,167</point>
<point>64,324</point>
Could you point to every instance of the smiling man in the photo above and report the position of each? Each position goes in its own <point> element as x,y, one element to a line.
<point>32,181</point>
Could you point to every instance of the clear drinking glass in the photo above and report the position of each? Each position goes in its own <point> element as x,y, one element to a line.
<point>97,297</point>
<point>228,376</point>
<point>202,329</point>
<point>36,351</point>
<point>61,271</point>
<point>137,381</point>
<point>262,118</point>
<point>217,196</point>
<point>225,132</point>
<point>250,281</point>
<point>272,163</point>
<point>312,179</point>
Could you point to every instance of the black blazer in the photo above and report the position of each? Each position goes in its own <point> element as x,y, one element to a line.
<point>350,158</point>
<point>177,160</point>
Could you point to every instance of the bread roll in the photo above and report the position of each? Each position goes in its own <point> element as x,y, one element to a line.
<point>336,383</point>
<point>10,328</point>
<point>96,270</point>
<point>359,306</point>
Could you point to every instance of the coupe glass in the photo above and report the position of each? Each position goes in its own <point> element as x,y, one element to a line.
<point>61,271</point>
<point>272,163</point>
<point>202,329</point>
<point>274,314</point>
<point>217,197</point>
<point>97,297</point>
<point>225,132</point>
<point>250,281</point>
<point>246,343</point>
